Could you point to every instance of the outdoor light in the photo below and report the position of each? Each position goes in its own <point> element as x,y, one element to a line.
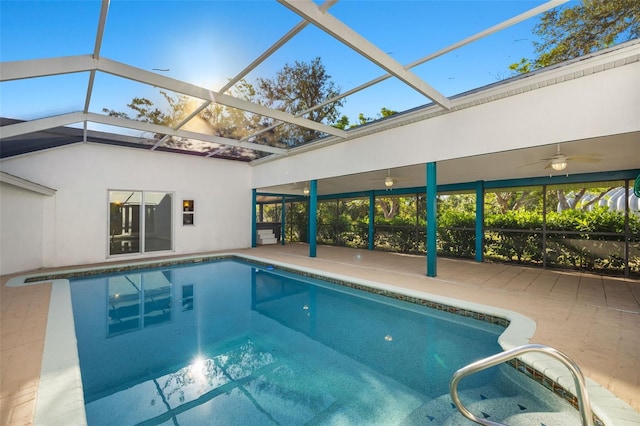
<point>388,181</point>
<point>306,190</point>
<point>559,162</point>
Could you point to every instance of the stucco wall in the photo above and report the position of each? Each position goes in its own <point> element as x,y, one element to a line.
<point>71,227</point>
<point>21,223</point>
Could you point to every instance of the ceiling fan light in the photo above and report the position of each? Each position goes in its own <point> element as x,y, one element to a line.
<point>306,190</point>
<point>559,164</point>
<point>388,181</point>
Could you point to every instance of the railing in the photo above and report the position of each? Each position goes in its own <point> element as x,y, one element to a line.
<point>581,389</point>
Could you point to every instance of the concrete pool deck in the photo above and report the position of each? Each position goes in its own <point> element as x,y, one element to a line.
<point>593,319</point>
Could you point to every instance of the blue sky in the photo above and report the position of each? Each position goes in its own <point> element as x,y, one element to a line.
<point>207,42</point>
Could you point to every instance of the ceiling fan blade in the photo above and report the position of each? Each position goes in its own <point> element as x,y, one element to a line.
<point>585,159</point>
<point>395,179</point>
<point>533,164</point>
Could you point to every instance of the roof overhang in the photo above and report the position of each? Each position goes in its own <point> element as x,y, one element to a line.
<point>26,184</point>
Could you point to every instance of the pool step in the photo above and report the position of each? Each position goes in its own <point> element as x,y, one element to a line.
<point>266,236</point>
<point>511,410</point>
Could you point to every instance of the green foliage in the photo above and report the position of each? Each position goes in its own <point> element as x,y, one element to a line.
<point>503,201</point>
<point>297,89</point>
<point>456,233</point>
<point>344,123</point>
<point>177,108</point>
<point>456,218</point>
<point>400,237</point>
<point>509,235</point>
<point>296,222</point>
<point>591,25</point>
<point>385,112</point>
<point>589,240</point>
<point>515,219</point>
<point>458,202</point>
<point>600,219</point>
<point>592,240</point>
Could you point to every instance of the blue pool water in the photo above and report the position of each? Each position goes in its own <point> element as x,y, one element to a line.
<point>230,343</point>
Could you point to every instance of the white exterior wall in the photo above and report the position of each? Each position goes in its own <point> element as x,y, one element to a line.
<point>598,104</point>
<point>21,228</point>
<point>71,227</point>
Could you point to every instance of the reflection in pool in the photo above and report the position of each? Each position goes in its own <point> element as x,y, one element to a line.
<point>228,342</point>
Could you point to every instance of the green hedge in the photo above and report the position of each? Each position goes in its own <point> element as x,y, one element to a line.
<point>588,240</point>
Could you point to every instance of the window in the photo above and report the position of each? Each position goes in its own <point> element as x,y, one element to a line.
<point>137,301</point>
<point>140,222</point>
<point>188,208</point>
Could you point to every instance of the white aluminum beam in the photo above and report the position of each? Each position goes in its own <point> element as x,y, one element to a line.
<point>143,76</point>
<point>104,10</point>
<point>270,51</point>
<point>157,128</point>
<point>501,26</point>
<point>309,11</point>
<point>182,123</point>
<point>32,126</point>
<point>54,66</point>
<point>273,48</point>
<point>43,124</point>
<point>18,70</point>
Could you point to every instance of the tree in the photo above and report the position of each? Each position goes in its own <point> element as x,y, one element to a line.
<point>581,199</point>
<point>389,206</point>
<point>343,122</point>
<point>570,32</point>
<point>297,88</point>
<point>145,110</point>
<point>500,202</point>
<point>294,89</point>
<point>147,113</point>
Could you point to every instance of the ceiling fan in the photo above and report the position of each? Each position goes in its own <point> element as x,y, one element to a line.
<point>300,187</point>
<point>559,161</point>
<point>389,180</point>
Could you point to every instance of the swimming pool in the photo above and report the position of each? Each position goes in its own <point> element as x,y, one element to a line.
<point>229,342</point>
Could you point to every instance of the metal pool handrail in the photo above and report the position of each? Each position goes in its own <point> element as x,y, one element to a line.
<point>578,378</point>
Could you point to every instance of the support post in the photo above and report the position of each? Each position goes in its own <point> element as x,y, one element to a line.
<point>313,216</point>
<point>432,226</point>
<point>254,231</point>
<point>283,220</point>
<point>479,221</point>
<point>372,217</point>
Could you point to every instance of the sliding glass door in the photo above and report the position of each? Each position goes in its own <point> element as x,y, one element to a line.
<point>140,222</point>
